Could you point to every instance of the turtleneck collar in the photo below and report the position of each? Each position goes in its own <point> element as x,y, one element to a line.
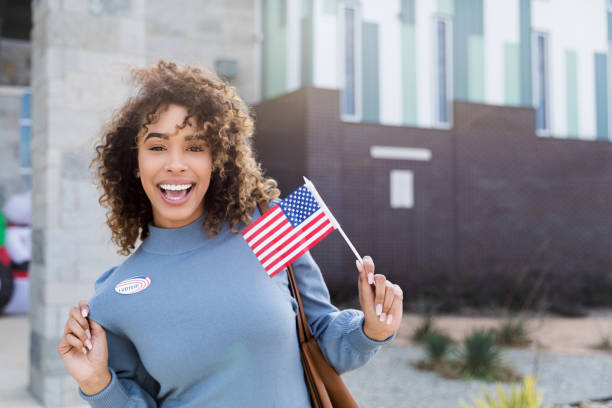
<point>174,241</point>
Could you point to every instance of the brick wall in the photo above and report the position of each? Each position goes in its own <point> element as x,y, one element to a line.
<point>497,209</point>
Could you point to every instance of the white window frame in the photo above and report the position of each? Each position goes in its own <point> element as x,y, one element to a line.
<point>342,7</point>
<point>449,72</point>
<point>536,79</point>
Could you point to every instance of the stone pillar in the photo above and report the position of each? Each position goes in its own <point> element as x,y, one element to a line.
<point>80,51</point>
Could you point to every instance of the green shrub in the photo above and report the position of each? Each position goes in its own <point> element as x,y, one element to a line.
<point>511,333</point>
<point>481,356</point>
<point>425,328</point>
<point>437,346</point>
<point>605,344</point>
<point>525,396</point>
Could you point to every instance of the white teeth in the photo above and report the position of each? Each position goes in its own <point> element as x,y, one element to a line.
<point>175,187</point>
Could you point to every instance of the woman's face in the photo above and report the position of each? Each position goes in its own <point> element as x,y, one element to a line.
<point>175,168</point>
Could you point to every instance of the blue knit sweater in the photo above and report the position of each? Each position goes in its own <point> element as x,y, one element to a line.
<point>212,329</point>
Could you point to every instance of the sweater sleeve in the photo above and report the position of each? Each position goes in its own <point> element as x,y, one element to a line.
<point>131,385</point>
<point>339,333</point>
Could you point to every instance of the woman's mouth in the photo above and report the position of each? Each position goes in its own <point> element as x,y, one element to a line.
<point>175,193</point>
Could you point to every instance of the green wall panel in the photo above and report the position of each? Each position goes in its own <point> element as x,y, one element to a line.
<point>370,73</point>
<point>601,97</point>
<point>571,84</point>
<point>330,6</point>
<point>408,16</point>
<point>467,22</point>
<point>512,75</point>
<point>525,46</point>
<point>476,68</point>
<point>445,7</point>
<point>274,48</point>
<point>306,45</point>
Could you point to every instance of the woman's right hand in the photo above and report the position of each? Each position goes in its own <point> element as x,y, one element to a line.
<point>84,351</point>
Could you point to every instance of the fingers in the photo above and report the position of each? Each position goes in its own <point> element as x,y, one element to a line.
<point>389,296</point>
<point>380,292</point>
<point>76,343</point>
<point>84,307</point>
<point>77,332</point>
<point>76,314</point>
<point>368,266</point>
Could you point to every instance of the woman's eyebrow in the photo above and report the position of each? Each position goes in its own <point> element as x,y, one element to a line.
<point>165,136</point>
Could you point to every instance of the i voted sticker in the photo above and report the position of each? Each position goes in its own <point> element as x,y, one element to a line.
<point>133,285</point>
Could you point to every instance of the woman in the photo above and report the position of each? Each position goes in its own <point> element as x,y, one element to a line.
<point>191,318</point>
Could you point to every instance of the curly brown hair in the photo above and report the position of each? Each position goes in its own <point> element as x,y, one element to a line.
<point>237,183</point>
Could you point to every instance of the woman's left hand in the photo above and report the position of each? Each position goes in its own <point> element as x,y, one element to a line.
<point>382,305</point>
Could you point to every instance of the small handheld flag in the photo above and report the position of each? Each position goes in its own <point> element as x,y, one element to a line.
<point>291,228</point>
<point>288,230</point>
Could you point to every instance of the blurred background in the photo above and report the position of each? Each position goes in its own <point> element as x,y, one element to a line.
<point>464,144</point>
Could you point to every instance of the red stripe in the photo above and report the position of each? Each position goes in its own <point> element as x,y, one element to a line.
<point>275,240</point>
<point>20,273</point>
<point>292,244</point>
<point>260,219</point>
<point>313,243</point>
<point>257,238</point>
<point>291,240</point>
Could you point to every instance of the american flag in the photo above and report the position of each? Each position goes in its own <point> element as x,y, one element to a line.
<point>288,230</point>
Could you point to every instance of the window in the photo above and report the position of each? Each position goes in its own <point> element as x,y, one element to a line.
<point>442,72</point>
<point>540,84</point>
<point>350,57</point>
<point>402,189</point>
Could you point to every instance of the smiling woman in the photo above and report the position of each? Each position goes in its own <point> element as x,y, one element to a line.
<point>182,127</point>
<point>174,168</point>
<point>191,318</point>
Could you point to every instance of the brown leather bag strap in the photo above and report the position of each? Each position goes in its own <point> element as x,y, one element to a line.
<point>302,322</point>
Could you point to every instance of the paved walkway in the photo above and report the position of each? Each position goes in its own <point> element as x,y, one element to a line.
<point>389,380</point>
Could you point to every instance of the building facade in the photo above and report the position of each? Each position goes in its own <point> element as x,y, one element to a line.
<point>464,144</point>
<point>405,63</point>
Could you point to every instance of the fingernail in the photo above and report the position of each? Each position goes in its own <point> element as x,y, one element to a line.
<point>88,344</point>
<point>84,351</point>
<point>84,312</point>
<point>357,263</point>
<point>378,310</point>
<point>382,317</point>
<point>88,332</point>
<point>389,319</point>
<point>371,278</point>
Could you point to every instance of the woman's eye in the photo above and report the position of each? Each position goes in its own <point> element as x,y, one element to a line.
<point>195,148</point>
<point>156,148</point>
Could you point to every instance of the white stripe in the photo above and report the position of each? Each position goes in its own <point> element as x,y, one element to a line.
<point>291,234</point>
<point>265,231</point>
<point>281,230</point>
<point>261,224</point>
<point>282,262</point>
<point>301,235</point>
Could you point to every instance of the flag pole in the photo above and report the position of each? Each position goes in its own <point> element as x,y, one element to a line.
<point>326,210</point>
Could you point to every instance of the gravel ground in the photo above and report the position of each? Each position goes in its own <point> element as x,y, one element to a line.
<point>389,380</point>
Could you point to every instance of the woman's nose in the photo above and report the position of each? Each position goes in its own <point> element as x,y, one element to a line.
<point>176,161</point>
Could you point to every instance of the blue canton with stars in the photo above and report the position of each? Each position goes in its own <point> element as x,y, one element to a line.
<point>299,205</point>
